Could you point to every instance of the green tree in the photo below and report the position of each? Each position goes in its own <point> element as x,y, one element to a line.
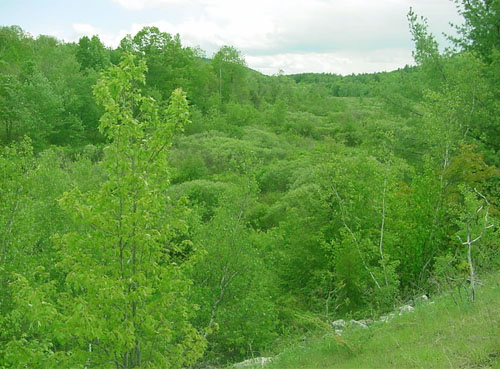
<point>16,47</point>
<point>127,255</point>
<point>12,110</point>
<point>426,52</point>
<point>170,65</point>
<point>480,32</point>
<point>229,65</point>
<point>473,223</point>
<point>120,300</point>
<point>91,53</point>
<point>232,284</point>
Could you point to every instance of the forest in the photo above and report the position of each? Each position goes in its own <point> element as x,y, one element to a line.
<point>163,209</point>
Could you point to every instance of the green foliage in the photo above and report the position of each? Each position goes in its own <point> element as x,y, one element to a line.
<point>131,253</point>
<point>16,162</point>
<point>232,282</point>
<point>441,334</point>
<point>480,32</point>
<point>91,53</point>
<point>30,329</point>
<point>203,195</point>
<point>229,66</point>
<point>296,200</point>
<point>13,114</point>
<point>121,289</point>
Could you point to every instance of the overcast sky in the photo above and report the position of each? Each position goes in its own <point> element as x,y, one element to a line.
<point>335,36</point>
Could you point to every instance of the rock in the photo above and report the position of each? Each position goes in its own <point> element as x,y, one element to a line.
<point>386,318</point>
<point>338,332</point>
<point>255,361</point>
<point>358,323</point>
<point>421,299</point>
<point>406,309</point>
<point>366,321</point>
<point>339,324</point>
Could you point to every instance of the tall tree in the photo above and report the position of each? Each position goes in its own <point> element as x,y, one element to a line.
<point>91,53</point>
<point>480,32</point>
<point>169,63</point>
<point>228,64</point>
<point>121,302</point>
<point>125,256</point>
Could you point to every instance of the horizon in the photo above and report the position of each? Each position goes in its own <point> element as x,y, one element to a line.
<point>320,36</point>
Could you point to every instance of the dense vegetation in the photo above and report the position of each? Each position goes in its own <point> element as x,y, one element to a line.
<point>447,332</point>
<point>160,209</point>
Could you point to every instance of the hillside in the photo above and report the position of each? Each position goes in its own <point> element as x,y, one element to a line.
<point>445,332</point>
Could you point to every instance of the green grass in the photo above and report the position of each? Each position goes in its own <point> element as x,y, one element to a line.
<point>449,333</point>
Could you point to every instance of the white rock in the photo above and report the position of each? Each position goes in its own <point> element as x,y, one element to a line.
<point>339,324</point>
<point>255,361</point>
<point>358,323</point>
<point>386,318</point>
<point>421,299</point>
<point>406,309</point>
<point>366,321</point>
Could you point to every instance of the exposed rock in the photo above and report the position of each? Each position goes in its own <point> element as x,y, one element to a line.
<point>387,318</point>
<point>366,321</point>
<point>406,309</point>
<point>255,361</point>
<point>421,299</point>
<point>339,324</point>
<point>358,323</point>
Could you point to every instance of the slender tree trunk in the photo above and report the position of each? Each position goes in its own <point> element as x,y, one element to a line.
<point>472,275</point>
<point>469,242</point>
<point>220,82</point>
<point>382,229</point>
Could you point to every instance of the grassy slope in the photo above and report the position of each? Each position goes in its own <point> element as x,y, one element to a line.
<point>449,333</point>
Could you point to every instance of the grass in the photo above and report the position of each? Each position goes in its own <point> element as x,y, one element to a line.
<point>445,333</point>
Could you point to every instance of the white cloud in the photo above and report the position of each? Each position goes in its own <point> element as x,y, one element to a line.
<point>108,38</point>
<point>316,35</point>
<point>338,62</point>
<point>143,4</point>
<point>313,25</point>
<point>85,29</point>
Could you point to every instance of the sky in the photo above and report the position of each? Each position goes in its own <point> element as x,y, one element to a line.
<point>292,36</point>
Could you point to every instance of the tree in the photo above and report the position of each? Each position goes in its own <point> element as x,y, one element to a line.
<point>473,222</point>
<point>91,53</point>
<point>16,161</point>
<point>127,257</point>
<point>480,32</point>
<point>12,110</point>
<point>228,64</point>
<point>169,64</point>
<point>121,291</point>
<point>426,52</point>
<point>16,46</point>
<point>233,284</point>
